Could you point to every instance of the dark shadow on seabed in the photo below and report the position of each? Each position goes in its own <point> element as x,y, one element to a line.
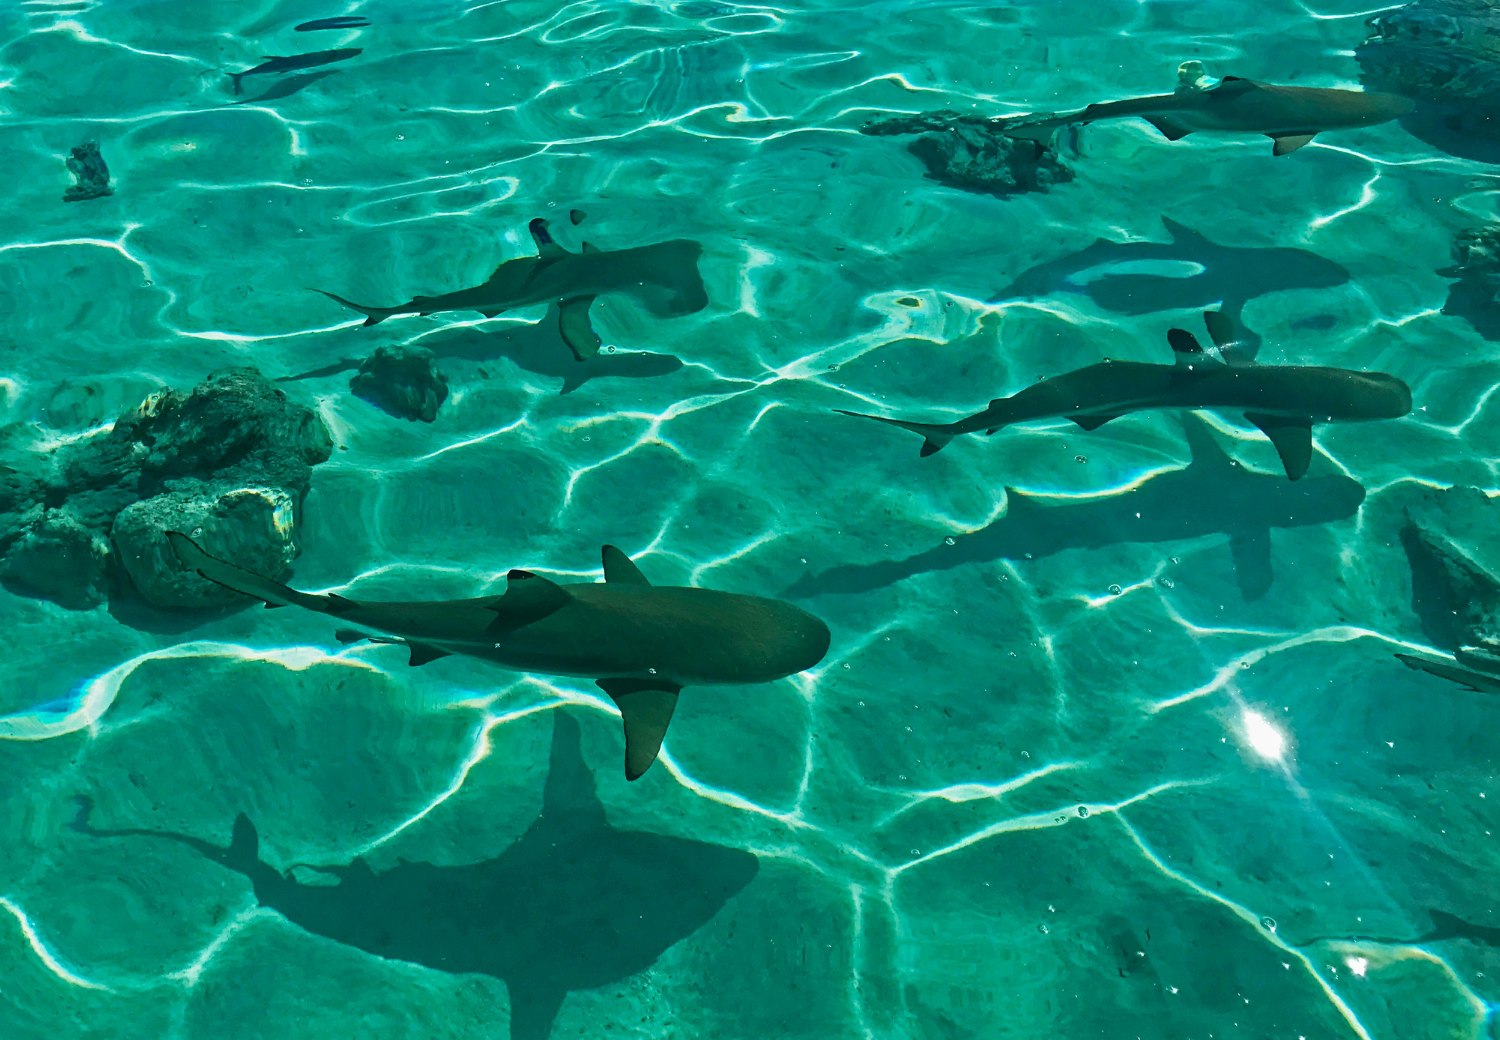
<point>536,348</point>
<point>1212,495</point>
<point>1189,270</point>
<point>574,904</point>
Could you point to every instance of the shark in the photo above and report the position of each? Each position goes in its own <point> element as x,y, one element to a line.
<point>1476,669</point>
<point>1282,401</point>
<point>642,643</point>
<point>574,904</point>
<point>1188,270</point>
<point>663,276</point>
<point>294,63</point>
<point>1210,497</point>
<point>1289,116</point>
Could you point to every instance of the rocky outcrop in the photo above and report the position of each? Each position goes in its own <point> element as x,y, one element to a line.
<point>230,461</point>
<point>403,381</point>
<point>970,152</point>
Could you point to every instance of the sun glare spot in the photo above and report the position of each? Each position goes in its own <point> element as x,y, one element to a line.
<point>1265,739</point>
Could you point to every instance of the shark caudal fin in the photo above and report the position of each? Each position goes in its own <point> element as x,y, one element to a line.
<point>935,436</point>
<point>373,315</point>
<point>257,586</point>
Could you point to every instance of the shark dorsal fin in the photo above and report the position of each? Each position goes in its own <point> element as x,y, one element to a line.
<point>619,569</point>
<point>1188,352</point>
<point>1234,85</point>
<point>646,706</point>
<point>528,597</point>
<point>1181,234</point>
<point>546,247</point>
<point>1222,331</point>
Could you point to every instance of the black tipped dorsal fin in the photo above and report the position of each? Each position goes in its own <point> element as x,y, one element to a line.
<point>620,569</point>
<point>1186,349</point>
<point>646,707</point>
<point>528,597</point>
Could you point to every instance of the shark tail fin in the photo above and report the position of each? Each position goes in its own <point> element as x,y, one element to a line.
<point>935,436</point>
<point>221,572</point>
<point>373,315</point>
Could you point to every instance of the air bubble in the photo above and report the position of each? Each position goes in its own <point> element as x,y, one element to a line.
<point>950,540</point>
<point>651,670</point>
<point>609,349</point>
<point>1043,929</point>
<point>1080,458</point>
<point>1166,583</point>
<point>1115,590</point>
<point>1268,923</point>
<point>1083,812</point>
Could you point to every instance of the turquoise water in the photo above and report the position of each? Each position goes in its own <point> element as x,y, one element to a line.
<point>1092,754</point>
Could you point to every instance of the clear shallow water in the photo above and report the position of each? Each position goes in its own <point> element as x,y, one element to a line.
<point>894,844</point>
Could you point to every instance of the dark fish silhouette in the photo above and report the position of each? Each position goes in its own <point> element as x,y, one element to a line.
<point>294,63</point>
<point>1484,678</point>
<point>1210,496</point>
<point>664,276</point>
<point>573,905</point>
<point>642,643</point>
<point>1282,401</point>
<point>1289,116</point>
<point>318,24</point>
<point>1188,270</point>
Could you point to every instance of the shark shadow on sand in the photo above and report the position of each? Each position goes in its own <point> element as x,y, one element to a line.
<point>533,348</point>
<point>1188,270</point>
<point>663,277</point>
<point>574,904</point>
<point>1210,496</point>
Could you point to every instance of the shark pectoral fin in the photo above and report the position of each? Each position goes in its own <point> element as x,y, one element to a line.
<point>1252,561</point>
<point>350,635</point>
<point>577,332</point>
<point>1092,422</point>
<point>1288,143</point>
<point>1172,131</point>
<point>546,248</point>
<point>1292,437</point>
<point>620,569</point>
<point>1468,680</point>
<point>528,597</point>
<point>421,653</point>
<point>646,706</point>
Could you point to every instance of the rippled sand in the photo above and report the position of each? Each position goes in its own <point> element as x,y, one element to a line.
<point>1011,802</point>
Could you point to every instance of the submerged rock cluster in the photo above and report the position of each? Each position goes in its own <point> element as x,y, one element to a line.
<point>971,152</point>
<point>1475,296</point>
<point>230,461</point>
<point>1445,56</point>
<point>402,381</point>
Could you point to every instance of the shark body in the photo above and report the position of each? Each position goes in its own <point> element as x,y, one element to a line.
<point>295,63</point>
<point>1283,401</point>
<point>641,643</point>
<point>663,276</point>
<point>1290,116</point>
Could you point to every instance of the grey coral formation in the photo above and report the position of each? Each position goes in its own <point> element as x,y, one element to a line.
<point>1445,56</point>
<point>229,462</point>
<point>403,381</point>
<point>971,152</point>
<point>1475,296</point>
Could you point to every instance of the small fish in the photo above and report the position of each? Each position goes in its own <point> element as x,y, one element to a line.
<point>350,22</point>
<point>294,63</point>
